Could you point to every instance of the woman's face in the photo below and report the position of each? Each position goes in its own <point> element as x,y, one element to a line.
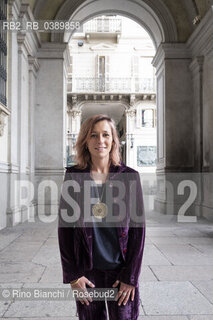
<point>100,141</point>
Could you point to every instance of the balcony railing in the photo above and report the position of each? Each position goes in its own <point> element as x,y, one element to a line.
<point>111,85</point>
<point>103,25</point>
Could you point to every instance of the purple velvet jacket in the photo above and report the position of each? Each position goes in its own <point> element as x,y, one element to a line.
<point>75,240</point>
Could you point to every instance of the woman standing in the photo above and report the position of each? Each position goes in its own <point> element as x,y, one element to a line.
<point>101,239</point>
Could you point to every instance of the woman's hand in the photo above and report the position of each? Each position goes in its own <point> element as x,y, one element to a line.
<point>81,287</point>
<point>124,292</point>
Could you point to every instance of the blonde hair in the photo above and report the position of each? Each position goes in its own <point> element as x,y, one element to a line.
<point>82,157</point>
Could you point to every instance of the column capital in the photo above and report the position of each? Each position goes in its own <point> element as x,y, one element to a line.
<point>75,113</point>
<point>131,112</point>
<point>170,51</point>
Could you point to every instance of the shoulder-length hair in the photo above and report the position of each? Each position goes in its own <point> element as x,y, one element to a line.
<point>82,157</point>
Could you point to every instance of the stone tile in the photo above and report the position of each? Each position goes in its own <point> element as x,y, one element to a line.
<point>206,288</point>
<point>54,233</point>
<point>147,240</point>
<point>147,274</point>
<point>183,273</point>
<point>49,318</point>
<point>173,298</point>
<point>4,304</point>
<point>20,272</point>
<point>51,241</point>
<point>47,256</point>
<point>141,312</point>
<point>160,232</point>
<point>181,240</point>
<point>54,285</point>
<point>163,318</point>
<point>190,231</point>
<point>184,255</point>
<point>41,309</point>
<point>6,238</point>
<point>203,317</point>
<point>205,248</point>
<point>20,253</point>
<point>153,256</point>
<point>52,274</point>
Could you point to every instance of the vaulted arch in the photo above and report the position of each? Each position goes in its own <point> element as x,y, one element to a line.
<point>153,15</point>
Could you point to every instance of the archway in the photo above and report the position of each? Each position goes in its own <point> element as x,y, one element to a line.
<point>151,15</point>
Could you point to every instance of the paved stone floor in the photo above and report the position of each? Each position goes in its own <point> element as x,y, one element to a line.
<point>176,281</point>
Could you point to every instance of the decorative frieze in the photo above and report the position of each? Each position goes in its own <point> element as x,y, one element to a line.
<point>75,113</point>
<point>131,112</point>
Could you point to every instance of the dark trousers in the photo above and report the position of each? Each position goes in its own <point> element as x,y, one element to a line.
<point>97,309</point>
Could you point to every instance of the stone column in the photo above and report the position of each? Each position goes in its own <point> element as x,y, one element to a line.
<point>50,123</point>
<point>20,47</point>
<point>201,46</point>
<point>175,140</point>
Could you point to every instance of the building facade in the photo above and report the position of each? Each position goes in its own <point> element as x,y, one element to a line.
<point>111,72</point>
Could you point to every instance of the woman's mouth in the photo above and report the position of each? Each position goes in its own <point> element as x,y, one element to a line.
<point>100,148</point>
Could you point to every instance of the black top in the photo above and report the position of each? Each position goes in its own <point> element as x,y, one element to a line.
<point>106,249</point>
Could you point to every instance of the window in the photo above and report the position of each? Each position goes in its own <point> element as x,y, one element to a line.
<point>148,118</point>
<point>146,156</point>
<point>3,55</point>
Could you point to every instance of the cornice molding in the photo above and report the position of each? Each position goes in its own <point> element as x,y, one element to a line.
<point>33,64</point>
<point>170,51</point>
<point>51,50</point>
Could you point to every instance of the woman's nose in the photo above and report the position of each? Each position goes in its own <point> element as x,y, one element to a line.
<point>100,138</point>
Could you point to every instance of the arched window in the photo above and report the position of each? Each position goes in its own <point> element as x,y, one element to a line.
<point>3,55</point>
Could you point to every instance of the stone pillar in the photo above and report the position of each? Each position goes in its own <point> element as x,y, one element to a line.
<point>201,45</point>
<point>20,99</point>
<point>175,142</point>
<point>50,122</point>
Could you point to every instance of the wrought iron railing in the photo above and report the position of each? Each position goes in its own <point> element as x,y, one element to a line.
<point>111,25</point>
<point>111,85</point>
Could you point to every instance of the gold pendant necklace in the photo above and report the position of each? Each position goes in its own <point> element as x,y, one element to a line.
<point>100,209</point>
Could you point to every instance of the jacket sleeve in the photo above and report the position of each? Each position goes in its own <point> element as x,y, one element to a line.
<point>136,240</point>
<point>66,241</point>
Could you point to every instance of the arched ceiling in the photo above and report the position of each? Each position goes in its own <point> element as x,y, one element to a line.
<point>182,11</point>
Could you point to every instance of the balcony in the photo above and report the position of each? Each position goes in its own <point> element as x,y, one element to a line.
<point>103,25</point>
<point>111,85</point>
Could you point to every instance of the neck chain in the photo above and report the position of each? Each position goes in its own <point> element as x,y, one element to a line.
<point>100,209</point>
